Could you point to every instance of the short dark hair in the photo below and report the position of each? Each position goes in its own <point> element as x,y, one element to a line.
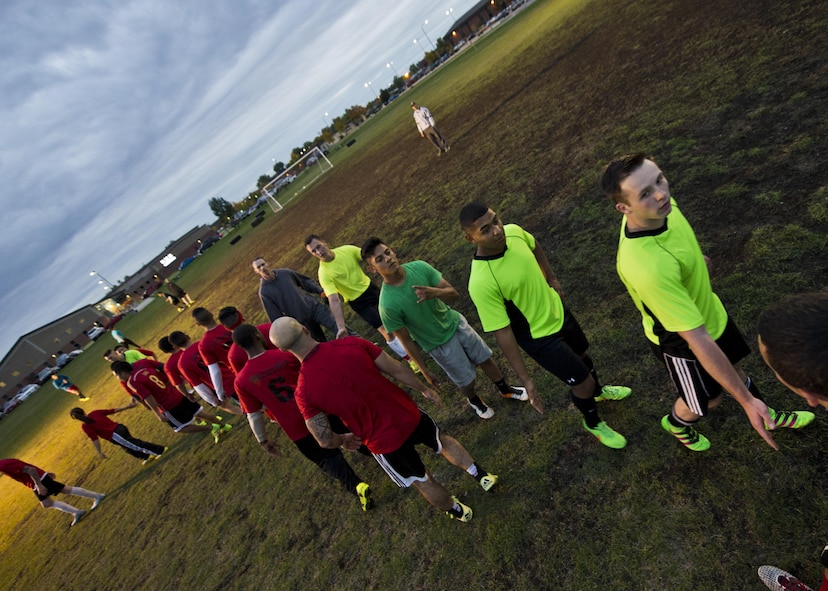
<point>616,171</point>
<point>202,316</point>
<point>165,345</point>
<point>311,237</point>
<point>107,353</point>
<point>227,313</point>
<point>119,367</point>
<point>244,335</point>
<point>179,339</point>
<point>369,246</point>
<point>471,212</point>
<point>794,332</point>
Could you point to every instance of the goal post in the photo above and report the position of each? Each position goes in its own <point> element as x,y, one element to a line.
<point>296,178</point>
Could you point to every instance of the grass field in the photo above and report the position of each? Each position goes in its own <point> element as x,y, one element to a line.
<point>730,98</point>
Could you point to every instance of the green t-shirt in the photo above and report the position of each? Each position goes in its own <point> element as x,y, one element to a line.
<point>666,275</point>
<point>131,356</point>
<point>505,286</point>
<point>431,323</point>
<point>344,275</point>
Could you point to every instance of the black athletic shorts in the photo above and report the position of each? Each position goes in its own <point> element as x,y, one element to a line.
<point>560,353</point>
<point>53,487</point>
<point>183,414</point>
<point>404,465</point>
<point>367,306</point>
<point>692,382</point>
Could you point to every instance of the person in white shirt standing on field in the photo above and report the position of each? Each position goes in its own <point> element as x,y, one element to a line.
<point>426,127</point>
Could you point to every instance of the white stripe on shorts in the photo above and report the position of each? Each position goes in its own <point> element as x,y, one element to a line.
<point>683,371</point>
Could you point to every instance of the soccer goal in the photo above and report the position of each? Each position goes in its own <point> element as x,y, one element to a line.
<point>299,176</point>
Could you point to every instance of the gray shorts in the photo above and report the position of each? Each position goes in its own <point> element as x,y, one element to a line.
<point>461,354</point>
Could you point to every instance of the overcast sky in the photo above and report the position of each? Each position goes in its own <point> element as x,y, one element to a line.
<point>120,119</point>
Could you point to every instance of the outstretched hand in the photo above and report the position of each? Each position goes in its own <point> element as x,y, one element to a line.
<point>759,416</point>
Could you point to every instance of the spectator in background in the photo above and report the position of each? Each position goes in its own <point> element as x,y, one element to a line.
<point>122,339</point>
<point>427,129</point>
<point>62,382</point>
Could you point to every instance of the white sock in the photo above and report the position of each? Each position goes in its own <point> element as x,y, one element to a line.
<point>472,470</point>
<point>397,347</point>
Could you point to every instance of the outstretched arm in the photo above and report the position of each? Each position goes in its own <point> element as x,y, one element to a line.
<point>133,403</point>
<point>32,473</point>
<point>716,363</point>
<point>506,341</point>
<point>335,302</point>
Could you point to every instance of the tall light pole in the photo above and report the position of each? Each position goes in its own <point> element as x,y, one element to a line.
<point>102,280</point>
<point>325,119</point>
<point>391,65</point>
<point>417,43</point>
<point>368,85</point>
<point>426,35</point>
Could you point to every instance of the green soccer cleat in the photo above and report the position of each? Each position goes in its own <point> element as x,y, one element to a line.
<point>689,437</point>
<point>465,514</point>
<point>791,419</point>
<point>605,434</point>
<point>613,393</point>
<point>364,493</point>
<point>413,365</point>
<point>488,481</point>
<point>225,428</point>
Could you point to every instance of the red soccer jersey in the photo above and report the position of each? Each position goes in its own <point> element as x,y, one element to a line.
<point>269,380</point>
<point>148,380</point>
<point>340,378</point>
<point>214,345</point>
<point>237,357</point>
<point>13,468</point>
<point>171,369</point>
<point>101,425</point>
<point>195,371</point>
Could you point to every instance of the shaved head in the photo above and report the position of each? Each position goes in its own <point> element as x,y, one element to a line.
<point>286,333</point>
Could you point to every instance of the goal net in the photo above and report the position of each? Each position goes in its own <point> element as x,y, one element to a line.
<point>296,178</point>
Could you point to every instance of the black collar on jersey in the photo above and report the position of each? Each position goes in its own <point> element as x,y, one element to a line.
<point>643,233</point>
<point>491,257</point>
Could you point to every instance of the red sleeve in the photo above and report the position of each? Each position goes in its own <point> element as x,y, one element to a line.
<point>90,432</point>
<point>824,583</point>
<point>247,401</point>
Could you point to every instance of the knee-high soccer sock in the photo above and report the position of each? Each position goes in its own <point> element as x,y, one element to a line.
<point>81,492</point>
<point>65,507</point>
<point>588,408</point>
<point>591,367</point>
<point>397,347</point>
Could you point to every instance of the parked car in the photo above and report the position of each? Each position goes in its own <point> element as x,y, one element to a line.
<point>94,332</point>
<point>208,242</point>
<point>10,405</point>
<point>44,374</point>
<point>186,262</point>
<point>26,391</point>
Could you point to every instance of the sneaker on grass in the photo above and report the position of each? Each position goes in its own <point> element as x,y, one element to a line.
<point>689,437</point>
<point>78,516</point>
<point>517,393</point>
<point>487,481</point>
<point>464,514</point>
<point>792,419</point>
<point>607,436</point>
<point>779,580</point>
<point>484,412</point>
<point>364,494</point>
<point>613,393</point>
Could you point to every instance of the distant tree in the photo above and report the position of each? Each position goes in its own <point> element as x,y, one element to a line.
<point>414,68</point>
<point>384,96</point>
<point>443,46</point>
<point>279,168</point>
<point>356,113</point>
<point>221,208</point>
<point>327,135</point>
<point>295,154</point>
<point>399,82</point>
<point>339,124</point>
<point>263,180</point>
<point>307,146</point>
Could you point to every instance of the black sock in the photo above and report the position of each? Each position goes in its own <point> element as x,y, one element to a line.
<point>476,401</point>
<point>753,389</point>
<point>679,423</point>
<point>588,408</point>
<point>503,387</point>
<point>591,367</point>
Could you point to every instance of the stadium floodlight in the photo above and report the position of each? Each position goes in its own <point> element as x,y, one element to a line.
<point>296,178</point>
